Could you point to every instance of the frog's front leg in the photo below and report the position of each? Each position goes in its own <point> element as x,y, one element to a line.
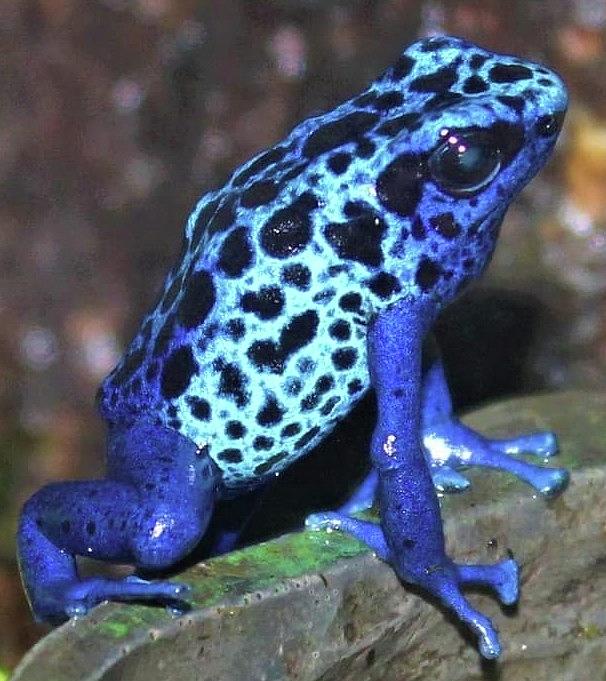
<point>150,512</point>
<point>410,536</point>
<point>453,445</point>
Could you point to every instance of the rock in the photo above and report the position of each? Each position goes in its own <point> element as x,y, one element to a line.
<point>319,606</point>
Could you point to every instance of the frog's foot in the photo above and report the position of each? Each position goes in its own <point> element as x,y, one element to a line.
<point>444,582</point>
<point>76,598</point>
<point>452,444</point>
<point>446,479</point>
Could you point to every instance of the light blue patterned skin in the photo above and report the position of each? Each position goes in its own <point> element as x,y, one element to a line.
<point>363,222</point>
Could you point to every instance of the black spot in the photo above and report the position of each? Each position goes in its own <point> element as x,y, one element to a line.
<point>402,67</point>
<point>354,386</point>
<point>407,121</point>
<point>545,82</point>
<point>384,285</point>
<point>270,463</point>
<point>310,402</point>
<point>199,408</point>
<point>262,443</point>
<point>235,430</point>
<point>291,430</point>
<point>224,217</point>
<point>230,456</point>
<point>400,185</point>
<point>259,164</point>
<point>236,328</point>
<point>356,209</point>
<point>177,372</point>
<point>434,44</point>
<point>324,296</point>
<point>288,231</point>
<point>324,384</point>
<point>344,358</point>
<point>337,133</point>
<point>365,99</point>
<point>358,239</point>
<point>442,100</point>
<point>340,330</point>
<point>474,85</point>
<point>438,81</point>
<point>478,60</point>
<point>165,335</point>
<point>339,163</point>
<point>296,275</point>
<point>172,411</point>
<point>445,225</point>
<point>259,194</point>
<point>235,255</point>
<point>232,384</point>
<point>307,438</point>
<point>329,405</point>
<point>91,528</point>
<point>266,304</point>
<point>65,526</point>
<point>365,148</point>
<point>171,294</point>
<point>203,219</point>
<point>293,386</point>
<point>292,173</point>
<point>509,73</point>
<point>515,103</point>
<point>427,274</point>
<point>389,100</point>
<point>197,301</point>
<point>271,412</point>
<point>350,302</point>
<point>418,229</point>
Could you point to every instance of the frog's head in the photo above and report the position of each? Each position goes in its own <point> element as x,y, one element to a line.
<point>462,132</point>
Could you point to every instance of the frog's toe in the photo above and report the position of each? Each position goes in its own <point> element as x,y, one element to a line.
<point>543,444</point>
<point>446,479</point>
<point>554,481</point>
<point>323,521</point>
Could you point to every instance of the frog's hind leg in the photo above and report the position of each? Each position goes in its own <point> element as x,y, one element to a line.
<point>150,512</point>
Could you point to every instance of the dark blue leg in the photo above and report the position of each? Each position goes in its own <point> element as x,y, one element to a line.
<point>452,445</point>
<point>410,514</point>
<point>151,511</point>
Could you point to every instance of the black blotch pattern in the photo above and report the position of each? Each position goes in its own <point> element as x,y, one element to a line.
<point>324,384</point>
<point>365,99</point>
<point>509,73</point>
<point>513,102</point>
<point>427,274</point>
<point>263,443</point>
<point>339,162</point>
<point>232,384</point>
<point>259,194</point>
<point>384,285</point>
<point>224,217</point>
<point>197,301</point>
<point>177,373</point>
<point>438,81</point>
<point>235,430</point>
<point>389,100</point>
<point>402,67</point>
<point>296,275</point>
<point>265,160</point>
<point>266,304</point>
<point>445,225</point>
<point>354,387</point>
<point>199,408</point>
<point>356,209</point>
<point>292,173</point>
<point>236,328</point>
<point>442,100</point>
<point>365,148</point>
<point>291,430</point>
<point>288,231</point>
<point>263,468</point>
<point>271,412</point>
<point>400,185</point>
<point>358,239</point>
<point>310,401</point>
<point>235,255</point>
<point>407,121</point>
<point>474,85</point>
<point>324,296</point>
<point>344,358</point>
<point>340,330</point>
<point>478,60</point>
<point>307,438</point>
<point>350,302</point>
<point>435,44</point>
<point>337,133</point>
<point>418,229</point>
<point>230,456</point>
<point>329,405</point>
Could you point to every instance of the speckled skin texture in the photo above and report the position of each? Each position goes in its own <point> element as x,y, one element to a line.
<point>316,272</point>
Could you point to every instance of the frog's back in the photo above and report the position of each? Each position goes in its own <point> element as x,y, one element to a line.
<point>257,346</point>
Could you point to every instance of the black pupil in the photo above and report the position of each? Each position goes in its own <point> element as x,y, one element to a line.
<point>465,163</point>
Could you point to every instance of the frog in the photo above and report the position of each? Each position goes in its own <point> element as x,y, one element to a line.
<point>312,277</point>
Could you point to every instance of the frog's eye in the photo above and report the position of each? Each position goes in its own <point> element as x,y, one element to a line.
<point>465,164</point>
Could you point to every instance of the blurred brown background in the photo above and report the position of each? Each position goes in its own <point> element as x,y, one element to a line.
<point>116,115</point>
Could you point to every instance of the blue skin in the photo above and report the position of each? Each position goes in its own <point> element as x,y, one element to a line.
<point>315,274</point>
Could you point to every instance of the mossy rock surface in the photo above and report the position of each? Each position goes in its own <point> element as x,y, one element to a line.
<point>314,605</point>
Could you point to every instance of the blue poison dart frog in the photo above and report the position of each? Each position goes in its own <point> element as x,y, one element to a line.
<point>313,275</point>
